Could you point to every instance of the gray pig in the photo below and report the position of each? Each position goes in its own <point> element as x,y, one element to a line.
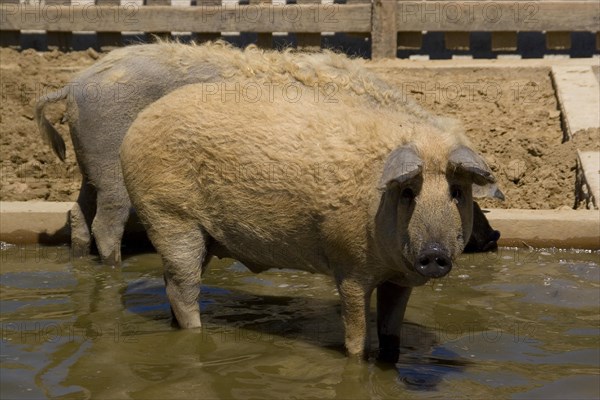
<point>103,101</point>
<point>373,195</point>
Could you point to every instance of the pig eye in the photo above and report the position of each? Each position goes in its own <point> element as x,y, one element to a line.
<point>408,194</point>
<point>456,193</point>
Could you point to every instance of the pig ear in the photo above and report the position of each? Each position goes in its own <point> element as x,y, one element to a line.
<point>463,160</point>
<point>401,165</point>
<point>490,190</point>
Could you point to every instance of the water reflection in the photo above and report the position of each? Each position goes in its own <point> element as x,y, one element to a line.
<point>425,372</point>
<point>517,325</point>
<point>238,315</point>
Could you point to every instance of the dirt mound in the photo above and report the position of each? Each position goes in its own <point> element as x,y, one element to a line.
<point>30,170</point>
<point>511,115</point>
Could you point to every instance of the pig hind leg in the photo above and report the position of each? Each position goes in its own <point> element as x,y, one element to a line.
<point>80,219</point>
<point>182,246</point>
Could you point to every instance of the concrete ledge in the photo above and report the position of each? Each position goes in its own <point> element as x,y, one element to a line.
<point>587,188</point>
<point>547,228</point>
<point>483,63</point>
<point>34,222</point>
<point>577,91</point>
<point>46,222</point>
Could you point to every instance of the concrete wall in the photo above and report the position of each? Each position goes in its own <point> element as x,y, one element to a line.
<point>46,223</point>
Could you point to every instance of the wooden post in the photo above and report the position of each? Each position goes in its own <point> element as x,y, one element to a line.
<point>558,40</point>
<point>384,33</point>
<point>309,41</point>
<point>108,40</point>
<point>163,35</point>
<point>205,36</point>
<point>10,38</point>
<point>59,40</point>
<point>263,40</point>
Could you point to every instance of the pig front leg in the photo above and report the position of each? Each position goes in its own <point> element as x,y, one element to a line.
<point>355,298</point>
<point>391,304</point>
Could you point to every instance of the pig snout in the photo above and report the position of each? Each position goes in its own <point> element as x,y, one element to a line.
<point>433,262</point>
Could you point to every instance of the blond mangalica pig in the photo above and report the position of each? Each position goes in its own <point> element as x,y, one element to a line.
<point>377,197</point>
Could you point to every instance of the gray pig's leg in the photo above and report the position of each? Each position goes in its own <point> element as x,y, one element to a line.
<point>183,249</point>
<point>109,223</point>
<point>391,304</point>
<point>80,219</point>
<point>355,296</point>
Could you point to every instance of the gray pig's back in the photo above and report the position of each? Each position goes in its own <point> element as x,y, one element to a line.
<point>106,98</point>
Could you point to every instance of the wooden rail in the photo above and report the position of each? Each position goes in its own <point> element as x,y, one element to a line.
<point>390,23</point>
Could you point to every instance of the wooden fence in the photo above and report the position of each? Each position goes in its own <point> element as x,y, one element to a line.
<point>391,24</point>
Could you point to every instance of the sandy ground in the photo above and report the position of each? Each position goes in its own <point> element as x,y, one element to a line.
<point>511,115</point>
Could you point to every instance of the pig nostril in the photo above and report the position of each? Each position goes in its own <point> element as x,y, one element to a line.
<point>424,260</point>
<point>442,262</point>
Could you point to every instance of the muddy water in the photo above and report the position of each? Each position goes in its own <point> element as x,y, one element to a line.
<point>517,324</point>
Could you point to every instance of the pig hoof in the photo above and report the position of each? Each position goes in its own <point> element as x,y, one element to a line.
<point>190,324</point>
<point>191,321</point>
<point>356,357</point>
<point>388,356</point>
<point>113,259</point>
<point>79,249</point>
<point>493,243</point>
